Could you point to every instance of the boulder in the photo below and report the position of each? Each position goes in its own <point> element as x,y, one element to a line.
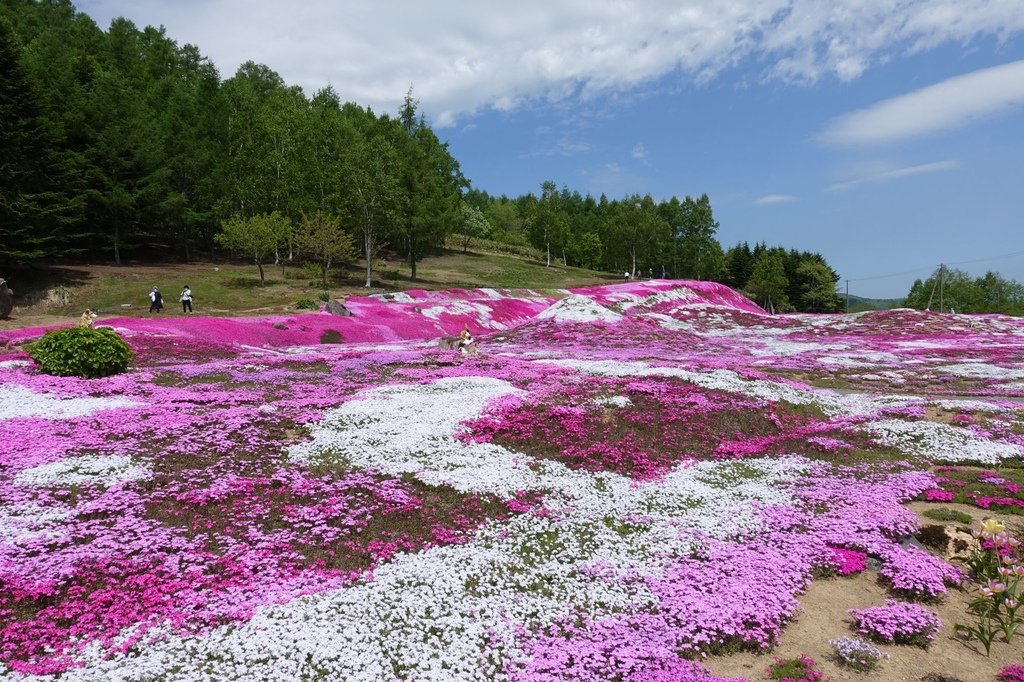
<point>6,299</point>
<point>338,308</point>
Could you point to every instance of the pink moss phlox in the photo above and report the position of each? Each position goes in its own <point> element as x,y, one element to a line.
<point>938,495</point>
<point>897,622</point>
<point>848,561</point>
<point>1011,673</point>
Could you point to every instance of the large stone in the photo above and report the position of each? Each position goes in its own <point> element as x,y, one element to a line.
<point>338,308</point>
<point>6,299</point>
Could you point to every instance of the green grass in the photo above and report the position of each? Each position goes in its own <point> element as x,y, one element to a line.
<point>234,288</point>
<point>946,514</point>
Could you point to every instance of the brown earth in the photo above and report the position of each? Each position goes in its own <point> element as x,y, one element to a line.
<point>823,616</point>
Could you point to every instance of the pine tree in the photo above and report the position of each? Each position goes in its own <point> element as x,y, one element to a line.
<point>35,212</point>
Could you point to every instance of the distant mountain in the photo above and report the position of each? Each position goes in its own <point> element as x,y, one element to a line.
<point>859,304</point>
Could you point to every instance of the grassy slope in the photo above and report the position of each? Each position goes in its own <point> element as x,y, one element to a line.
<point>233,288</point>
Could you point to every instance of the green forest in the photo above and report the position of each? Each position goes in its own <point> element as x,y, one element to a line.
<point>952,290</point>
<point>120,144</point>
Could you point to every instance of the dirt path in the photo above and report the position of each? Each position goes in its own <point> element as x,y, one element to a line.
<point>823,616</point>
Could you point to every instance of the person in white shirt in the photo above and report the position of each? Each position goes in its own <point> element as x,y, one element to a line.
<point>186,300</point>
<point>156,301</point>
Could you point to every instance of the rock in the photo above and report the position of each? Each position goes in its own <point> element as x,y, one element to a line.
<point>338,308</point>
<point>911,541</point>
<point>6,299</point>
<point>278,325</point>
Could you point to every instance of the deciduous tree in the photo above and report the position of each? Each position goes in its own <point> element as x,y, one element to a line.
<point>257,237</point>
<point>321,238</point>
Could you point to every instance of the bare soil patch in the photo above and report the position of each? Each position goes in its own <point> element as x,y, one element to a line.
<point>823,616</point>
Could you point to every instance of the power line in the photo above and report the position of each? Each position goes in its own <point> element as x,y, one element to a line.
<point>895,274</point>
<point>982,260</point>
<point>930,267</point>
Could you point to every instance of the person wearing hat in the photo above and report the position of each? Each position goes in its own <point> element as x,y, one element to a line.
<point>156,301</point>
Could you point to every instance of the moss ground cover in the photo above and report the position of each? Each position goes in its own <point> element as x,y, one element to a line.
<point>628,479</point>
<point>1001,490</point>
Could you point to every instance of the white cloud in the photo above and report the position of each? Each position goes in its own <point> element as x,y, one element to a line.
<point>461,57</point>
<point>953,103</point>
<point>561,147</point>
<point>639,152</point>
<point>896,173</point>
<point>770,199</point>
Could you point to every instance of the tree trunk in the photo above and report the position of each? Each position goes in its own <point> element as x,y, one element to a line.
<point>117,243</point>
<point>548,245</point>
<point>368,250</point>
<point>263,281</point>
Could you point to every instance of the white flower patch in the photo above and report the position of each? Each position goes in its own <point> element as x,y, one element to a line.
<point>625,301</point>
<point>17,402</point>
<point>30,522</point>
<point>719,379</point>
<point>669,322</point>
<point>969,405</point>
<point>980,370</point>
<point>410,429</point>
<point>491,293</point>
<point>396,297</point>
<point>928,345</point>
<point>940,442</point>
<point>455,307</point>
<point>860,359</point>
<point>833,403</point>
<point>579,308</point>
<point>455,612</point>
<point>613,401</point>
<point>779,347</point>
<point>5,364</point>
<point>102,470</point>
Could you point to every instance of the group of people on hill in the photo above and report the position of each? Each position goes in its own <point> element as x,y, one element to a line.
<point>639,274</point>
<point>156,300</point>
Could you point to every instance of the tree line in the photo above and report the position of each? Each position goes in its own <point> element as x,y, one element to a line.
<point>952,290</point>
<point>123,144</point>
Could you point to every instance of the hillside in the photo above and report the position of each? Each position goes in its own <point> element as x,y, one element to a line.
<point>258,499</point>
<point>859,304</point>
<point>59,294</point>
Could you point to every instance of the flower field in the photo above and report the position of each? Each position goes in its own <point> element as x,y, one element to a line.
<point>626,483</point>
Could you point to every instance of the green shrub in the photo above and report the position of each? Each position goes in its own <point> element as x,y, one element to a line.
<point>80,352</point>
<point>307,304</point>
<point>331,336</point>
<point>324,296</point>
<point>946,514</point>
<point>312,270</point>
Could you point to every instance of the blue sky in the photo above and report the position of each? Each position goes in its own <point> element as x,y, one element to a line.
<point>886,134</point>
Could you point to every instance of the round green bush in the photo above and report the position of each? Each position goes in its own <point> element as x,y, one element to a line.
<point>80,352</point>
<point>307,304</point>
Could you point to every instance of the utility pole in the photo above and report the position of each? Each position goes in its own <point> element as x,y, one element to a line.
<point>942,281</point>
<point>847,296</point>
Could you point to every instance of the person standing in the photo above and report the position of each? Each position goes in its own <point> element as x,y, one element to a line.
<point>156,301</point>
<point>186,299</point>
